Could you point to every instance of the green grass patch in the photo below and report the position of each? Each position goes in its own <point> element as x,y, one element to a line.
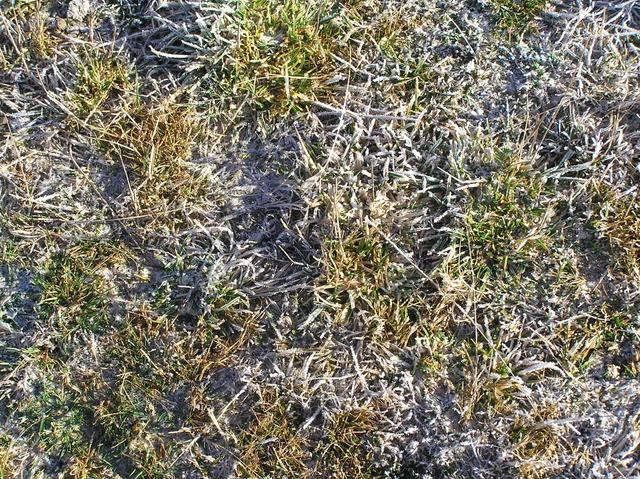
<point>505,226</point>
<point>54,420</point>
<point>282,55</point>
<point>151,357</point>
<point>100,76</point>
<point>74,295</point>
<point>517,14</point>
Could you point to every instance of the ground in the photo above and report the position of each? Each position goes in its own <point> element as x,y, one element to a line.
<point>319,239</point>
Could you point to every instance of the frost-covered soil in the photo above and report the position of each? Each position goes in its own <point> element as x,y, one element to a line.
<point>306,239</point>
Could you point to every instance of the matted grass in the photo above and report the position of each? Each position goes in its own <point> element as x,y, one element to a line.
<point>315,239</point>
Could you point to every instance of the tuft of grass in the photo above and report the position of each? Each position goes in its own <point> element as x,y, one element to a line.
<point>516,15</point>
<point>54,420</point>
<point>152,455</point>
<point>506,224</point>
<point>360,277</point>
<point>490,386</point>
<point>586,338</point>
<point>200,349</point>
<point>438,345</point>
<point>40,42</point>
<point>152,138</point>
<point>99,77</point>
<point>359,262</point>
<point>154,142</point>
<point>26,34</point>
<point>7,456</point>
<point>9,251</point>
<point>87,463</point>
<point>536,445</point>
<point>74,295</point>
<point>392,30</point>
<point>620,223</point>
<point>282,54</point>
<point>151,357</point>
<point>344,453</point>
<point>124,409</point>
<point>272,446</point>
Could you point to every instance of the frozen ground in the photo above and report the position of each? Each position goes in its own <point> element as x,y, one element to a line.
<point>314,239</point>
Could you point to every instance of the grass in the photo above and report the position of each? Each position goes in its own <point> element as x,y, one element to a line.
<point>316,239</point>
<point>27,35</point>
<point>490,387</point>
<point>55,421</point>
<point>437,346</point>
<point>100,76</point>
<point>209,346</point>
<point>344,453</point>
<point>122,414</point>
<point>535,443</point>
<point>517,14</point>
<point>282,55</point>
<point>152,139</point>
<point>154,143</point>
<point>7,463</point>
<point>359,276</point>
<point>41,42</point>
<point>506,226</point>
<point>357,263</point>
<point>390,30</point>
<point>620,225</point>
<point>74,295</point>
<point>271,445</point>
<point>533,447</point>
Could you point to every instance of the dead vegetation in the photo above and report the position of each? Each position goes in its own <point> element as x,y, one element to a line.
<point>620,224</point>
<point>312,239</point>
<point>153,144</point>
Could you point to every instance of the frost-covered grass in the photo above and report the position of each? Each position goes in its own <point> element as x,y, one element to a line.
<point>317,239</point>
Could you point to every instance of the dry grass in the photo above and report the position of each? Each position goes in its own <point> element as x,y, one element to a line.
<point>271,444</point>
<point>620,224</point>
<point>154,143</point>
<point>7,464</point>
<point>344,453</point>
<point>314,239</point>
<point>358,284</point>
